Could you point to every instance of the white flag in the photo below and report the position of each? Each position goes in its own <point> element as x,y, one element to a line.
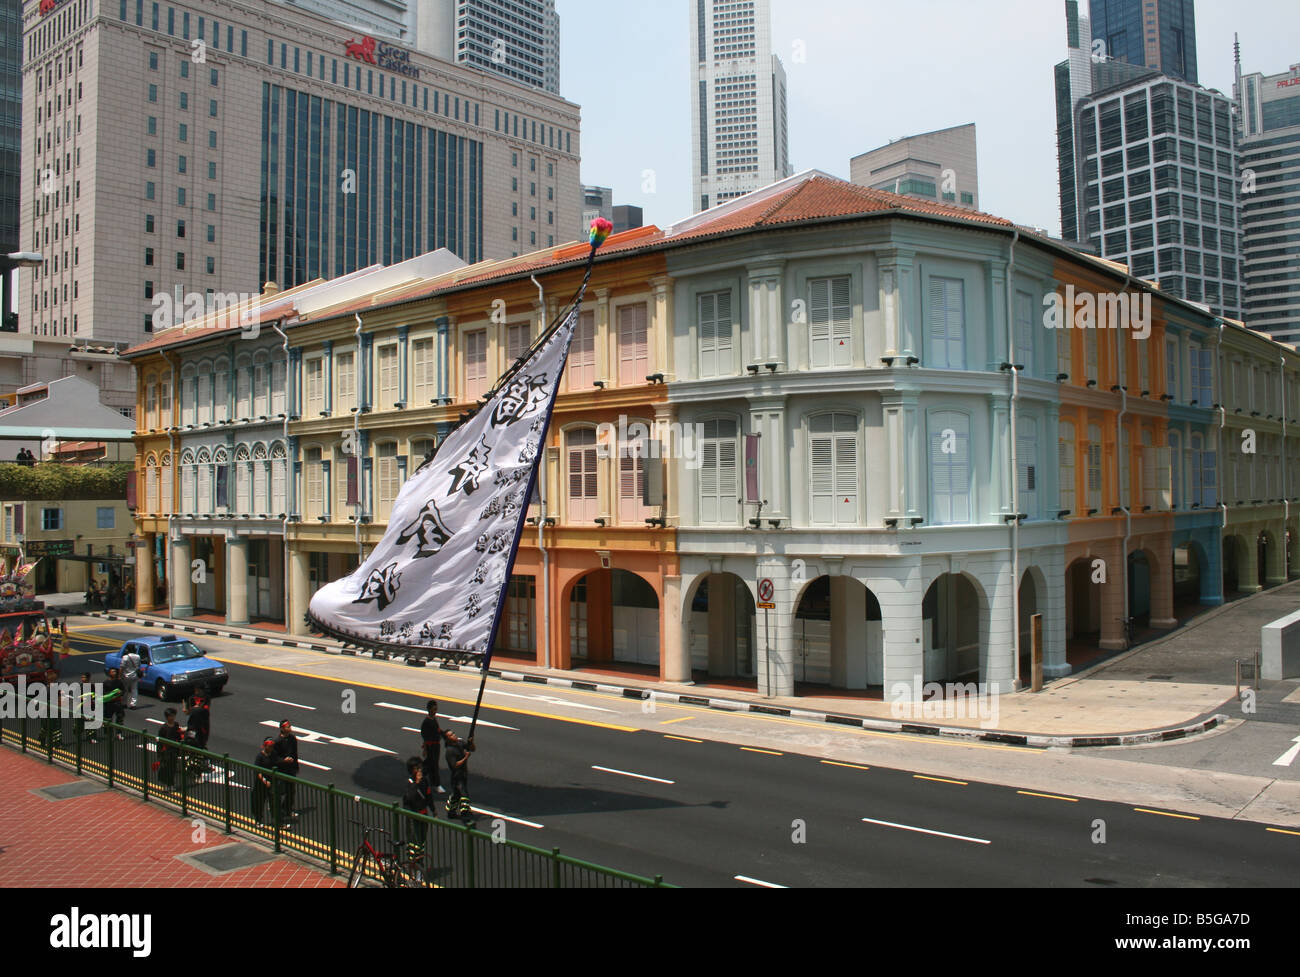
<point>437,578</point>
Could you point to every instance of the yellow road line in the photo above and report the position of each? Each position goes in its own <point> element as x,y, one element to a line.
<point>1168,814</point>
<point>941,780</point>
<point>851,766</point>
<point>1283,831</point>
<point>754,749</point>
<point>1052,797</point>
<point>680,719</point>
<point>441,697</point>
<point>684,739</point>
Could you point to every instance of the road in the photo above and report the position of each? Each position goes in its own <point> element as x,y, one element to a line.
<point>664,794</point>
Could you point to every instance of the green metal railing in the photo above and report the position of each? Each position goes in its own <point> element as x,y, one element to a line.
<point>328,829</point>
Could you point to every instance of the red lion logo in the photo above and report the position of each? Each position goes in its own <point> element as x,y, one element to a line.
<point>363,50</point>
<point>47,6</point>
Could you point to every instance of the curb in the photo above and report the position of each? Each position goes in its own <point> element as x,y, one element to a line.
<point>725,705</point>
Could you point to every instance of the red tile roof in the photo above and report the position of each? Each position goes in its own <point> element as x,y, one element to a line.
<point>801,199</point>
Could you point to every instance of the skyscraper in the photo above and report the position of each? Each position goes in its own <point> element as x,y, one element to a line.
<point>1159,34</point>
<point>11,116</point>
<point>1148,172</point>
<point>517,39</point>
<point>938,165</point>
<point>738,101</point>
<point>1269,124</point>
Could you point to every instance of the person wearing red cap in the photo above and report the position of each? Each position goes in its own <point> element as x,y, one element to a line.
<point>263,783</point>
<point>286,761</point>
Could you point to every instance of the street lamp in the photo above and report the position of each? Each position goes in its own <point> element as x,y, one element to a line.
<point>25,259</point>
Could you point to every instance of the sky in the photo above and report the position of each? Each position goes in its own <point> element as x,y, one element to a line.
<point>873,72</point>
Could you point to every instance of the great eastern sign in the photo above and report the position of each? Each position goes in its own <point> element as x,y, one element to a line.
<point>382,55</point>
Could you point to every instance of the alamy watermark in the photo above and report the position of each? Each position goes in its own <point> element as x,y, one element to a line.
<point>1098,310</point>
<point>227,310</point>
<point>654,439</point>
<point>54,700</point>
<point>953,700</point>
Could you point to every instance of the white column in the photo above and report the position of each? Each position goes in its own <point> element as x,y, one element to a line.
<point>237,580</point>
<point>182,584</point>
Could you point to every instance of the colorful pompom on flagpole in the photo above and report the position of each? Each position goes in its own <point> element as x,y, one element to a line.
<point>600,231</point>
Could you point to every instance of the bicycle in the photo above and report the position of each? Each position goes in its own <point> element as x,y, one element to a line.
<point>402,868</point>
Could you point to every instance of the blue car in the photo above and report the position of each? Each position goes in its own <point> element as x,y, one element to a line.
<point>171,666</point>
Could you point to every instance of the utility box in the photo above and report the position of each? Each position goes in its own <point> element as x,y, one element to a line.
<point>1280,647</point>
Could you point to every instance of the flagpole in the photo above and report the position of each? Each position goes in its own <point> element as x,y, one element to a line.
<point>600,230</point>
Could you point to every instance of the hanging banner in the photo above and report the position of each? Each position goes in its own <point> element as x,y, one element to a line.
<point>438,577</point>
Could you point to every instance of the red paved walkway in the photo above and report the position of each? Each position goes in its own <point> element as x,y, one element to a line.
<point>111,840</point>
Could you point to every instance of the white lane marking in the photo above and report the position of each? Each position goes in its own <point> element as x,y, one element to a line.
<point>553,700</point>
<point>927,831</point>
<point>308,763</point>
<point>281,702</point>
<point>1287,758</point>
<point>506,817</point>
<point>311,736</point>
<point>157,722</point>
<point>638,776</point>
<point>759,882</point>
<point>441,715</point>
<point>95,661</point>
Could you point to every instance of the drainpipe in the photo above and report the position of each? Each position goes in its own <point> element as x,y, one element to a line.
<point>168,560</point>
<point>1286,487</point>
<point>1127,506</point>
<point>541,522</point>
<point>356,443</point>
<point>1223,422</point>
<point>284,519</point>
<point>1015,466</point>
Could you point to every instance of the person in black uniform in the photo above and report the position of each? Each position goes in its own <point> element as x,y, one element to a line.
<point>286,761</point>
<point>169,737</point>
<point>198,729</point>
<point>433,736</point>
<point>263,782</point>
<point>458,752</point>
<point>417,796</point>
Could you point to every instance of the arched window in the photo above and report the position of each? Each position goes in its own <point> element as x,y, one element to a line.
<point>1066,466</point>
<point>151,484</point>
<point>220,479</point>
<point>261,481</point>
<point>277,388</point>
<point>719,477</point>
<point>583,479</point>
<point>165,476</point>
<point>261,387</point>
<point>204,462</point>
<point>279,468</point>
<point>189,479</point>
<point>243,480</point>
<point>833,470</point>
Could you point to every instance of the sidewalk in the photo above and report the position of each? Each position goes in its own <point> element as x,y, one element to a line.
<point>80,834</point>
<point>1170,687</point>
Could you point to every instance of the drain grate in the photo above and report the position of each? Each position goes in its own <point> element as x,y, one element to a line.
<point>227,858</point>
<point>1160,678</point>
<point>64,792</point>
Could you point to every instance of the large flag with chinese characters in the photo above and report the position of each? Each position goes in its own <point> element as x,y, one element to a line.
<point>437,579</point>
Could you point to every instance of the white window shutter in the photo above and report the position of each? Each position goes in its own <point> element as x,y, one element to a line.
<point>841,323</point>
<point>819,323</point>
<point>822,480</point>
<point>846,479</point>
<point>708,336</point>
<point>1027,465</point>
<point>722,332</point>
<point>1209,472</point>
<point>709,483</point>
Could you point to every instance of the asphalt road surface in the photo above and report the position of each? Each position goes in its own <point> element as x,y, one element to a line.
<point>707,813</point>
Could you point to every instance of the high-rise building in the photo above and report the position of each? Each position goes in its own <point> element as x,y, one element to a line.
<point>596,202</point>
<point>11,114</point>
<point>295,149</point>
<point>1269,126</point>
<point>517,39</point>
<point>1159,34</point>
<point>738,101</point>
<point>937,165</point>
<point>1147,167</point>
